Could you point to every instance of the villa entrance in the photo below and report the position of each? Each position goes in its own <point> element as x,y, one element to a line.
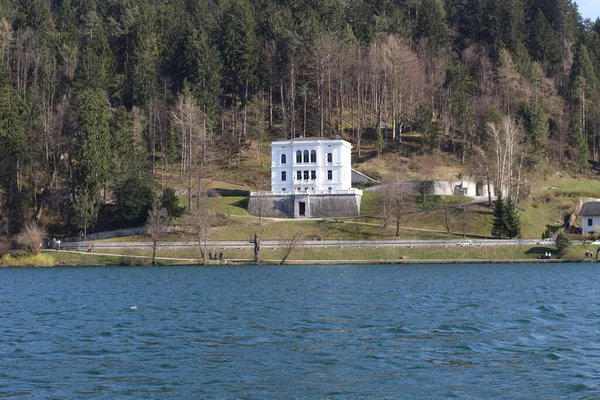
<point>302,209</point>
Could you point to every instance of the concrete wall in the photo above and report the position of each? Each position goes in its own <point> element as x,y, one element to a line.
<point>316,205</point>
<point>324,206</point>
<point>271,206</point>
<point>445,188</point>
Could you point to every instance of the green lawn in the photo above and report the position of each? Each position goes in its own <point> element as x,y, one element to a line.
<point>335,254</point>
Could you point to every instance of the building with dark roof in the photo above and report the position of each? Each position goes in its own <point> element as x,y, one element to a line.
<point>590,217</point>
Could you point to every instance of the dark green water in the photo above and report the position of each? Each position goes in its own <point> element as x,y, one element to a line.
<point>452,331</point>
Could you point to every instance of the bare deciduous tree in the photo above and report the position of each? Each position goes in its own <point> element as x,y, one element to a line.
<point>202,223</point>
<point>504,148</point>
<point>157,226</point>
<point>290,244</point>
<point>391,198</point>
<point>189,119</point>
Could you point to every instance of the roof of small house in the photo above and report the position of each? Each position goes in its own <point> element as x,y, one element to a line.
<point>590,208</point>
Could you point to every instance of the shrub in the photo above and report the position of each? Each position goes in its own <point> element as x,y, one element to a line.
<point>134,197</point>
<point>38,260</point>
<point>31,237</point>
<point>562,243</point>
<point>170,202</point>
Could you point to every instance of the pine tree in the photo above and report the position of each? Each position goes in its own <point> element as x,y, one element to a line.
<point>499,218</point>
<point>143,77</point>
<point>512,220</point>
<point>432,24</point>
<point>200,66</point>
<point>92,157</point>
<point>12,145</point>
<point>543,44</point>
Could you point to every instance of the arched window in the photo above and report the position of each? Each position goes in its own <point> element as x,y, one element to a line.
<point>313,156</point>
<point>283,158</point>
<point>329,157</point>
<point>298,156</point>
<point>305,156</point>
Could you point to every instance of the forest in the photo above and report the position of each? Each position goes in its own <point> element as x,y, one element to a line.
<point>99,98</point>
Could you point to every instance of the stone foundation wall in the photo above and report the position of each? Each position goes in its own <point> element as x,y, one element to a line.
<point>331,206</point>
<point>317,205</point>
<point>271,206</point>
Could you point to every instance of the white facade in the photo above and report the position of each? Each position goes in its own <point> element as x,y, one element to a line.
<point>590,217</point>
<point>311,166</point>
<point>590,224</point>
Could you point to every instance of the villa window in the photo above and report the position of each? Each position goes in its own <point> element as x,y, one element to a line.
<point>313,156</point>
<point>283,175</point>
<point>306,175</point>
<point>329,175</point>
<point>299,175</point>
<point>313,175</point>
<point>305,158</point>
<point>329,157</point>
<point>590,222</point>
<point>298,156</point>
<point>283,159</point>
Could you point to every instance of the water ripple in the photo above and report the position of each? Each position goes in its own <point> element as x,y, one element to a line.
<point>476,331</point>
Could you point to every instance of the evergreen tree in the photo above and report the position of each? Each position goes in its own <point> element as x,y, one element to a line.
<point>96,67</point>
<point>143,79</point>
<point>511,23</point>
<point>12,145</point>
<point>499,218</point>
<point>429,131</point>
<point>134,199</point>
<point>543,44</point>
<point>170,202</point>
<point>432,24</point>
<point>512,220</point>
<point>201,68</point>
<point>123,155</point>
<point>92,153</point>
<point>536,126</point>
<point>238,44</point>
<point>361,19</point>
<point>581,148</point>
<point>562,243</point>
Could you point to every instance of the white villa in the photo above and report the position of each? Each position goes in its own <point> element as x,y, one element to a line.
<point>310,177</point>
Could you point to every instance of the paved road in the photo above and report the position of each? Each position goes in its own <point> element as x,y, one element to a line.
<point>305,244</point>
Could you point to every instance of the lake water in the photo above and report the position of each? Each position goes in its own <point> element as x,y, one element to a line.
<point>452,331</point>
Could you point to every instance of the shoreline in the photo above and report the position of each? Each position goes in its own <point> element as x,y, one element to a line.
<point>69,258</point>
<point>250,263</point>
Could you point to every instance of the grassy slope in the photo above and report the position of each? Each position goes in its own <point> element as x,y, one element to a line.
<point>544,207</point>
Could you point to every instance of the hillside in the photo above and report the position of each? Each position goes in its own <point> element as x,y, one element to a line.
<point>104,104</point>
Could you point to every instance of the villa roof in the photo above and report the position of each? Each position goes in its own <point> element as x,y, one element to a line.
<point>309,138</point>
<point>590,208</point>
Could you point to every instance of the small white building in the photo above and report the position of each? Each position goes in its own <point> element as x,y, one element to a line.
<point>590,217</point>
<point>310,177</point>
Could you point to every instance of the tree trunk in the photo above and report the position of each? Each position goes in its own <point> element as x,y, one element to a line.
<point>256,248</point>
<point>153,252</point>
